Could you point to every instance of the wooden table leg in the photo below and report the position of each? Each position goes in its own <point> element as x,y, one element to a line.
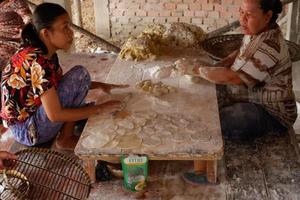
<point>200,167</point>
<point>208,168</point>
<point>211,171</point>
<point>89,166</point>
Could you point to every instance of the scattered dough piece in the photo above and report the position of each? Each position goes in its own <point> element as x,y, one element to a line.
<point>196,128</point>
<point>151,141</point>
<point>172,127</point>
<point>166,117</point>
<point>158,72</point>
<point>166,132</point>
<point>184,35</point>
<point>183,123</point>
<point>200,136</point>
<point>144,115</point>
<point>95,141</point>
<point>159,126</point>
<point>148,131</point>
<point>152,114</point>
<point>179,137</point>
<point>135,131</point>
<point>129,141</point>
<point>157,89</point>
<point>139,120</point>
<point>125,123</point>
<point>121,131</point>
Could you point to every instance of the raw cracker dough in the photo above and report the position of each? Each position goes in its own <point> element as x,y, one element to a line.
<point>95,141</point>
<point>125,123</point>
<point>151,141</point>
<point>131,141</point>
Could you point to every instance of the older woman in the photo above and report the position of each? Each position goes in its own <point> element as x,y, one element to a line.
<point>255,83</point>
<point>13,15</point>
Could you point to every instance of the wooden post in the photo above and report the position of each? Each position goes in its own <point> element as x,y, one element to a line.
<point>101,10</point>
<point>211,171</point>
<point>200,167</point>
<point>294,25</point>
<point>76,17</point>
<point>89,166</point>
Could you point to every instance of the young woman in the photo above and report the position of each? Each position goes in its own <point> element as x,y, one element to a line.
<point>38,101</point>
<point>257,93</point>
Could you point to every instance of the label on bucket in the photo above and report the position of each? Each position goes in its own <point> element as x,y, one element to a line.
<point>135,170</point>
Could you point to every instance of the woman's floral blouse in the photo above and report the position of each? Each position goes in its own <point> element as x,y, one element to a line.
<point>27,76</point>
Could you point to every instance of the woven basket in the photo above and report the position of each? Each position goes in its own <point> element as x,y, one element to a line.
<point>221,46</point>
<point>15,185</point>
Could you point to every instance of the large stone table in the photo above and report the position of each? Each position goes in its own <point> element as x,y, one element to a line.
<point>183,125</point>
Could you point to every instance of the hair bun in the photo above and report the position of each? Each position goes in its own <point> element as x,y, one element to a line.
<point>29,35</point>
<point>277,6</point>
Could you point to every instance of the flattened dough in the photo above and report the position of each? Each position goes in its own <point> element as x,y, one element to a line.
<point>95,141</point>
<point>130,142</point>
<point>125,123</point>
<point>151,141</point>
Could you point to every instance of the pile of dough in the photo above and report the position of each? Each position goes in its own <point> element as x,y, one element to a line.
<point>155,31</point>
<point>139,48</point>
<point>148,44</point>
<point>184,35</point>
<point>157,89</point>
<point>145,45</point>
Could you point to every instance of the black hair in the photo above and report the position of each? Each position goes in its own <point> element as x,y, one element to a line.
<point>274,5</point>
<point>43,16</point>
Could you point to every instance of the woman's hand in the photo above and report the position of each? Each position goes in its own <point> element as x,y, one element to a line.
<point>4,155</point>
<point>109,107</point>
<point>185,67</point>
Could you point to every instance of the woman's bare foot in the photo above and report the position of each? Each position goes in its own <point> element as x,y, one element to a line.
<point>64,143</point>
<point>66,139</point>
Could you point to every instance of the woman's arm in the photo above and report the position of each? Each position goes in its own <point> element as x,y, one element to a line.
<point>219,75</point>
<point>228,61</point>
<point>56,113</point>
<point>106,87</point>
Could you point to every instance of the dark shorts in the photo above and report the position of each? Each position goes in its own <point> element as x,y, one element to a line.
<point>245,121</point>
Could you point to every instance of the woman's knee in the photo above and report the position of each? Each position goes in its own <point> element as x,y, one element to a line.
<point>82,74</point>
<point>76,80</point>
